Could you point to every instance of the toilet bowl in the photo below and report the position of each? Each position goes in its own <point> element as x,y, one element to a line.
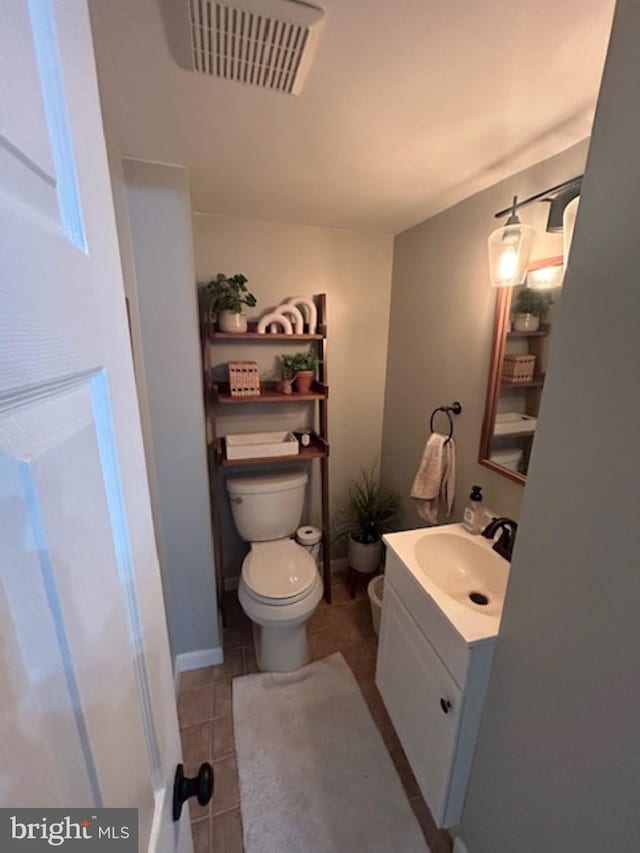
<point>279,590</point>
<point>280,586</point>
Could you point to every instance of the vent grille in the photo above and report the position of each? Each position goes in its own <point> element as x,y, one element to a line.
<point>251,47</point>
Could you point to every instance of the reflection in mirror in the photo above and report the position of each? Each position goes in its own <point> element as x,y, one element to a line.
<point>524,321</point>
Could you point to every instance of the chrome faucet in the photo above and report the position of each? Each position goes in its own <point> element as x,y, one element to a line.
<point>504,545</point>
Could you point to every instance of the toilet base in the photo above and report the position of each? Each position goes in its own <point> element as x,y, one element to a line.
<point>280,630</point>
<point>281,649</point>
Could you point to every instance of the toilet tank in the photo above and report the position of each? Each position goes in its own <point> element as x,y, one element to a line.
<point>269,506</point>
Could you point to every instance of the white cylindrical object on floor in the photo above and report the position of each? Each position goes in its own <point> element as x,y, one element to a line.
<point>308,535</point>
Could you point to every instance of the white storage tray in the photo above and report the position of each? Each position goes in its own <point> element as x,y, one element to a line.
<point>512,423</point>
<point>253,445</point>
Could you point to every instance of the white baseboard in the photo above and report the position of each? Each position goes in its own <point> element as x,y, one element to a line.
<point>195,660</point>
<point>459,846</point>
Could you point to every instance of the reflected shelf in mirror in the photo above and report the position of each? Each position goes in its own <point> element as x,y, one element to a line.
<point>516,377</point>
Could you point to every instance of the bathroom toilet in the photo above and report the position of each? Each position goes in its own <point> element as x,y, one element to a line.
<point>280,586</point>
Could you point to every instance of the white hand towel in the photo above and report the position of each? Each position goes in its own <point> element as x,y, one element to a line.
<point>434,483</point>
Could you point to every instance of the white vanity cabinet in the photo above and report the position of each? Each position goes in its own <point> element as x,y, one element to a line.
<point>433,684</point>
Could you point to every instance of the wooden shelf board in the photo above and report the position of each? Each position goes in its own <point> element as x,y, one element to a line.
<point>269,394</point>
<point>252,335</point>
<point>536,382</point>
<point>542,332</point>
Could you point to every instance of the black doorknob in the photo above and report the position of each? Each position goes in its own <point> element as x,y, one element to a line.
<point>200,786</point>
<point>445,705</point>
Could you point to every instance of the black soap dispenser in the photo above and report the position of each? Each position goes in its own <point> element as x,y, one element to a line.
<point>472,518</point>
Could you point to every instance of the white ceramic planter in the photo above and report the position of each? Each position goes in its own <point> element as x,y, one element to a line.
<point>364,558</point>
<point>526,323</point>
<point>230,321</point>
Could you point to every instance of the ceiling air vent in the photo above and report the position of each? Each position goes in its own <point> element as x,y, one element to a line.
<point>268,44</point>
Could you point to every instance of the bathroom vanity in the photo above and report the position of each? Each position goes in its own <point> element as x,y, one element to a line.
<point>443,596</point>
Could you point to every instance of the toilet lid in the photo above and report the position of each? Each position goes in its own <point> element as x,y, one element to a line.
<point>278,570</point>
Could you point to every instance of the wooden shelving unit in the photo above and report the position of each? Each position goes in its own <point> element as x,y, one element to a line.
<point>216,394</point>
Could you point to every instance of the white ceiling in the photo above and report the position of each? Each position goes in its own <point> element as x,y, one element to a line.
<point>410,106</point>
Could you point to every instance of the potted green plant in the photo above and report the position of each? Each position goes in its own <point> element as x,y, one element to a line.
<point>531,308</point>
<point>228,294</point>
<point>301,367</point>
<point>367,512</point>
<point>287,372</point>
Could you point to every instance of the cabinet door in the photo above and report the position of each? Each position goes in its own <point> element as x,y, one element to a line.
<point>422,699</point>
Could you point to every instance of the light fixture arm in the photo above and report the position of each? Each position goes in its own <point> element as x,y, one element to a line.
<point>511,210</point>
<point>513,219</point>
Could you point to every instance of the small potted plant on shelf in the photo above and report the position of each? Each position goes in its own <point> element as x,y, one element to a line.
<point>302,369</point>
<point>228,295</point>
<point>367,512</point>
<point>287,372</point>
<point>531,308</point>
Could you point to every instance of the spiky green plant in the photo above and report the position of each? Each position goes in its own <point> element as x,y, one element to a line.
<point>368,510</point>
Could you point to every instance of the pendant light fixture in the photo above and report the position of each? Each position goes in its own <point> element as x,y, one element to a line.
<point>509,250</point>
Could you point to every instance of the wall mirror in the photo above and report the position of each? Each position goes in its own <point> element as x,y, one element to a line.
<point>523,327</point>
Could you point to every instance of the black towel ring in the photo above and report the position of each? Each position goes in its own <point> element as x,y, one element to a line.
<point>456,408</point>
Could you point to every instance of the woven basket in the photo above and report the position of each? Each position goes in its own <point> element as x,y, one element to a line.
<point>244,380</point>
<point>518,368</point>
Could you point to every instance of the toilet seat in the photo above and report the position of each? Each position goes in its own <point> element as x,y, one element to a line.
<point>279,572</point>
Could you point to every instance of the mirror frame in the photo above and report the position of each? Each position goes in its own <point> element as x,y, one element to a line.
<point>501,324</point>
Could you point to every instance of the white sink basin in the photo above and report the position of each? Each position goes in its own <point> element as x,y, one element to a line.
<point>464,568</point>
<point>461,573</point>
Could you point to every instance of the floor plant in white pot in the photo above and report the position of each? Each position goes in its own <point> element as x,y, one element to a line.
<point>367,512</point>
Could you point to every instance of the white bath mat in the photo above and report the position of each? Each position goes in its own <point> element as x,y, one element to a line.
<point>315,775</point>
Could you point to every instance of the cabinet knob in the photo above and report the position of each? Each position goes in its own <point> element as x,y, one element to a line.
<point>445,705</point>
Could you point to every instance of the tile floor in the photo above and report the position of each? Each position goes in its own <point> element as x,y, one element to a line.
<point>204,709</point>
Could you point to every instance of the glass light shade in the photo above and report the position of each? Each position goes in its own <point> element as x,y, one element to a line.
<point>568,224</point>
<point>509,250</point>
<point>545,278</point>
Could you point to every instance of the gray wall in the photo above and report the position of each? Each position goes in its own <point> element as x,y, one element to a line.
<point>557,767</point>
<point>354,270</point>
<point>441,331</point>
<point>159,214</point>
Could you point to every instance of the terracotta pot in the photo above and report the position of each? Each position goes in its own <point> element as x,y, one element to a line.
<point>364,558</point>
<point>304,380</point>
<point>230,321</point>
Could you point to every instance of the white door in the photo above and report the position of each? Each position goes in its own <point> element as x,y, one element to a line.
<point>88,711</point>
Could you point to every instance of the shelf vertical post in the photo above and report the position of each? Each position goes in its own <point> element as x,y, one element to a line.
<point>324,462</point>
<point>213,459</point>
